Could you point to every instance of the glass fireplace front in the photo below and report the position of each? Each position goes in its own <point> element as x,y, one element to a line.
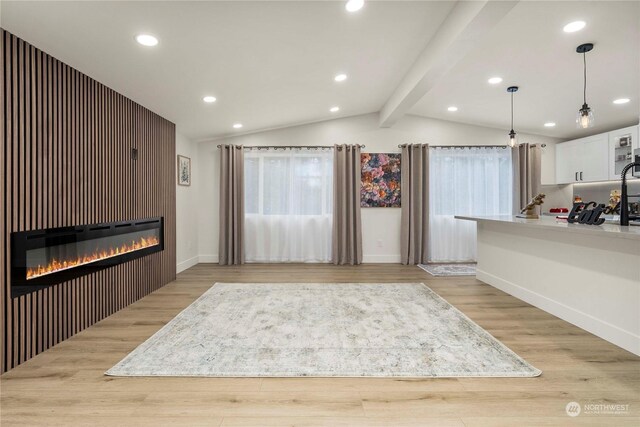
<point>46,257</point>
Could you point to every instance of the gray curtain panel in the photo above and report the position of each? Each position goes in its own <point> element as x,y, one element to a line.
<point>347,225</point>
<point>414,238</point>
<point>231,240</point>
<point>527,181</point>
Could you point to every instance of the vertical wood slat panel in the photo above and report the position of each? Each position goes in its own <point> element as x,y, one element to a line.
<point>3,215</point>
<point>24,304</point>
<point>13,59</point>
<point>66,160</point>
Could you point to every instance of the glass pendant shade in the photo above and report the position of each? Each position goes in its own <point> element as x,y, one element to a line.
<point>513,142</point>
<point>584,119</point>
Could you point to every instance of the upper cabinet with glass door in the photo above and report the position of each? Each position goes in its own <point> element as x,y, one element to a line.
<point>622,142</point>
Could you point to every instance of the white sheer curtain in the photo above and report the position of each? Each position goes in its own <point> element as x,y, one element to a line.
<point>288,205</point>
<point>465,181</point>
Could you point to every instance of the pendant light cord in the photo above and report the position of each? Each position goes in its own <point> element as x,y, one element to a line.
<point>511,110</point>
<point>584,57</point>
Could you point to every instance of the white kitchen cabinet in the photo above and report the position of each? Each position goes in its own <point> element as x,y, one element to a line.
<point>566,165</point>
<point>583,160</point>
<point>622,142</point>
<point>595,159</point>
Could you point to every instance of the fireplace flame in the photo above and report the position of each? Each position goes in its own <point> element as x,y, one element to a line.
<point>57,265</point>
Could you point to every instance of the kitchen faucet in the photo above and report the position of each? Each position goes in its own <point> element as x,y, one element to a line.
<point>624,198</point>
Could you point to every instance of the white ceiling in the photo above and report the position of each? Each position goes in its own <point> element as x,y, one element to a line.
<point>528,48</point>
<point>271,64</point>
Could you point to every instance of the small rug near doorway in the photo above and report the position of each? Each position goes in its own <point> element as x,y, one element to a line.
<point>449,269</point>
<point>322,330</point>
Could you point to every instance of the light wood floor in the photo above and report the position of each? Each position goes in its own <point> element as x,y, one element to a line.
<point>66,386</point>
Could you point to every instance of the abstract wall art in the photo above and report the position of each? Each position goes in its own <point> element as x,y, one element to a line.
<point>184,170</point>
<point>380,180</point>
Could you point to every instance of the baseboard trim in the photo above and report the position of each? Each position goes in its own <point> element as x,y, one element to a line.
<point>208,259</point>
<point>367,259</point>
<point>589,323</point>
<point>182,266</point>
<point>381,259</point>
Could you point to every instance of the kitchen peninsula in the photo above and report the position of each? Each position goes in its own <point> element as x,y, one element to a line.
<point>587,275</point>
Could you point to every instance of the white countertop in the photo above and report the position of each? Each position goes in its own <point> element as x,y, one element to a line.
<point>546,222</point>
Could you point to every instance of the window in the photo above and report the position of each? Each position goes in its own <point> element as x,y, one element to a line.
<point>288,205</point>
<point>295,183</point>
<point>465,181</point>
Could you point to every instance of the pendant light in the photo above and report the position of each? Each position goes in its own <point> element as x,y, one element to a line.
<point>584,119</point>
<point>513,142</point>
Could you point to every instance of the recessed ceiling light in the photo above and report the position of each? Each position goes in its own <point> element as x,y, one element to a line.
<point>146,40</point>
<point>621,101</point>
<point>334,109</point>
<point>209,99</point>
<point>495,80</point>
<point>574,26</point>
<point>549,124</point>
<point>452,108</point>
<point>237,125</point>
<point>340,77</point>
<point>354,5</point>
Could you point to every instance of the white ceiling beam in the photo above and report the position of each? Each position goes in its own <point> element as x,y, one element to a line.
<point>461,32</point>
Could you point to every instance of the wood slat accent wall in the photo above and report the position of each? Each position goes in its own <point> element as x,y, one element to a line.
<point>66,160</point>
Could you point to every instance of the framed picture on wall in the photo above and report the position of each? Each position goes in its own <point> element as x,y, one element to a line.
<point>380,180</point>
<point>184,170</point>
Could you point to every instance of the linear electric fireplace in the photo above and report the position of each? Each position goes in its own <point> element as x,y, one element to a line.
<point>43,258</point>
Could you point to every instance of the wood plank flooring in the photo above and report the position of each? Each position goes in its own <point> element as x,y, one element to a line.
<point>65,385</point>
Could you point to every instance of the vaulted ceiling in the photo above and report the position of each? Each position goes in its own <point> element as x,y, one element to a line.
<point>272,64</point>
<point>269,64</point>
<point>529,49</point>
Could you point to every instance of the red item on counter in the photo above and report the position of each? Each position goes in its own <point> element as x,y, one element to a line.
<point>559,210</point>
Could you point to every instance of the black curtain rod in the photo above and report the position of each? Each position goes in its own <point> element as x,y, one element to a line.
<point>469,146</point>
<point>275,147</point>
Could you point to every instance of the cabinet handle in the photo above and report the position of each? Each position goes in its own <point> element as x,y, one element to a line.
<point>581,176</point>
<point>576,176</point>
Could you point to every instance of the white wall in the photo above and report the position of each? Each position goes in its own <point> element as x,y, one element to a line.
<point>380,226</point>
<point>187,210</point>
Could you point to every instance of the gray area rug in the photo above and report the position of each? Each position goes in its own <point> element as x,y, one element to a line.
<point>322,330</point>
<point>449,269</point>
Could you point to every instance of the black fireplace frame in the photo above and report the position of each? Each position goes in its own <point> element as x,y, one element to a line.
<point>22,241</point>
